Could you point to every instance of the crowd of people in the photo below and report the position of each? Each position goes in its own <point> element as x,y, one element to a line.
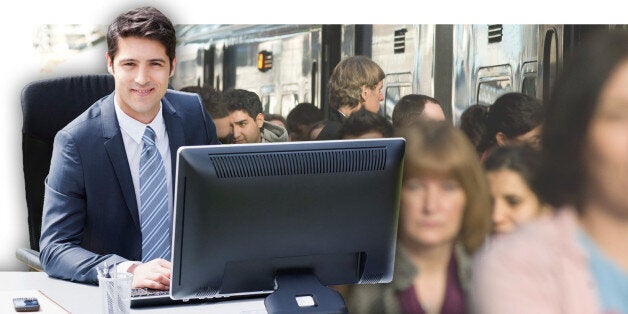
<point>520,208</point>
<point>467,187</point>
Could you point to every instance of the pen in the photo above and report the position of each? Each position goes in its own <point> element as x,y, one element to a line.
<point>106,271</point>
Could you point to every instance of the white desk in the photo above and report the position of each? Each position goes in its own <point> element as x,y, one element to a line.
<point>82,298</point>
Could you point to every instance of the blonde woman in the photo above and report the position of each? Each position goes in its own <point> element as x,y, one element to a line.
<point>444,218</point>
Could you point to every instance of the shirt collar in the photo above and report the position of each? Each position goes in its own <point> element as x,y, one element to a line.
<point>135,129</point>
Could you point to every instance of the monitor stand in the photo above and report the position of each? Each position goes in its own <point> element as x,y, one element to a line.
<point>302,292</point>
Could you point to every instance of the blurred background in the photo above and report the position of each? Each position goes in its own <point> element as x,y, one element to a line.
<point>44,39</point>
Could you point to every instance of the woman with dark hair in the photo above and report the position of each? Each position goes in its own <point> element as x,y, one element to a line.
<point>511,171</point>
<point>472,124</point>
<point>513,118</point>
<point>444,217</point>
<point>577,260</point>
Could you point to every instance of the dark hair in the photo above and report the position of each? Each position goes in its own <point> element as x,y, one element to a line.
<point>304,114</point>
<point>274,116</point>
<point>472,123</point>
<point>364,121</point>
<point>145,22</point>
<point>191,89</point>
<point>316,125</point>
<point>522,159</point>
<point>572,104</point>
<point>409,108</point>
<point>513,114</point>
<point>212,99</point>
<point>240,99</point>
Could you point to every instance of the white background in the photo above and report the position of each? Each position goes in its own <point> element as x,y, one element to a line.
<point>20,64</point>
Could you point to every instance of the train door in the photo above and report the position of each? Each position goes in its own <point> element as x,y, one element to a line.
<point>551,39</point>
<point>207,66</point>
<point>331,44</point>
<point>443,67</point>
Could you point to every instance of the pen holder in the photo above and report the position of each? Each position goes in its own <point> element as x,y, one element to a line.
<point>115,293</point>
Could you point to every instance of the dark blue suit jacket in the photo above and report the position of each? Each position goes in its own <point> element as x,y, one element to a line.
<point>90,210</point>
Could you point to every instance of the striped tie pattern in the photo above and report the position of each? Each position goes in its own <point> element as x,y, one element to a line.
<point>154,214</point>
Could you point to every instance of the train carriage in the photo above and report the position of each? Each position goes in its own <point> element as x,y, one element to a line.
<point>460,65</point>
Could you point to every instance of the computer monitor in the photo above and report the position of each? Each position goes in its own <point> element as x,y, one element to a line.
<point>253,218</point>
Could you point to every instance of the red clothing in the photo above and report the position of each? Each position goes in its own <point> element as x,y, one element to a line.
<point>453,302</point>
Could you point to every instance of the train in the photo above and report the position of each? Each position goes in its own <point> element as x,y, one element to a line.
<point>460,65</point>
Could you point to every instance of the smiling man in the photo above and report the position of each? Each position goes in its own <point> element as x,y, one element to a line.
<point>109,192</point>
<point>246,119</point>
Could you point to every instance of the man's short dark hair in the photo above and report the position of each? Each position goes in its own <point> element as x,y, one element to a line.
<point>304,114</point>
<point>240,99</point>
<point>409,108</point>
<point>364,121</point>
<point>144,22</point>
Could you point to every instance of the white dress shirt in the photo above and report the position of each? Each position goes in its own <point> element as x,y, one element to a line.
<point>132,132</point>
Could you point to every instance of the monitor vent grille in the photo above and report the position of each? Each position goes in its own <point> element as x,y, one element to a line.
<point>372,278</point>
<point>299,163</point>
<point>206,292</point>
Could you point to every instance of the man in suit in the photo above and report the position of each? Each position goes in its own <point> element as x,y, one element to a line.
<point>93,206</point>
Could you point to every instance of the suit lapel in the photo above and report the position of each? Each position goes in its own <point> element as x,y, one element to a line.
<point>176,134</point>
<point>114,145</point>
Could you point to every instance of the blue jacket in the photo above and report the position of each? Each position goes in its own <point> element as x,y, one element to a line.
<point>90,212</point>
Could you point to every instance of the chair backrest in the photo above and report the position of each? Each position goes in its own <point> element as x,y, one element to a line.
<point>47,106</point>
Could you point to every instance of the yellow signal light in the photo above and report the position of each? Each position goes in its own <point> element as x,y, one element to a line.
<point>264,60</point>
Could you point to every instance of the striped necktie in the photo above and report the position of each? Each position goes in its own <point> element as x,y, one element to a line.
<point>154,214</point>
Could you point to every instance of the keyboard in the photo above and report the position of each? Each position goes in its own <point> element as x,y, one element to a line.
<point>141,297</point>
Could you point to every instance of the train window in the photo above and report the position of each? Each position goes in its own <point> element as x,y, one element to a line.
<point>288,101</point>
<point>530,74</point>
<point>265,102</point>
<point>396,85</point>
<point>490,89</point>
<point>528,86</point>
<point>393,94</point>
<point>269,103</point>
<point>493,82</point>
<point>266,96</point>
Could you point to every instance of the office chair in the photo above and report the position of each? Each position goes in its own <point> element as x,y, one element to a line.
<point>47,106</point>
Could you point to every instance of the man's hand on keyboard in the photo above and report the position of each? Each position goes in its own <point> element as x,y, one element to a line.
<point>154,274</point>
